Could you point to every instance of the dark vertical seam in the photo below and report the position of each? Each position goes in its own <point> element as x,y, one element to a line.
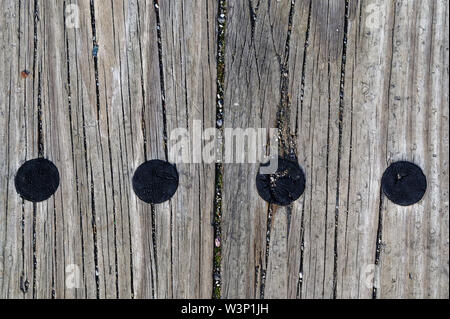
<point>200,233</point>
<point>106,266</point>
<point>355,59</point>
<point>221,20</point>
<point>378,242</point>
<point>35,45</point>
<point>24,283</point>
<point>113,199</point>
<point>129,107</point>
<point>283,116</point>
<point>394,4</point>
<point>262,287</point>
<point>40,138</point>
<point>34,250</point>
<point>184,63</point>
<point>97,88</point>
<point>302,85</point>
<point>95,57</point>
<point>285,101</point>
<point>253,17</point>
<point>39,117</point>
<point>164,118</point>
<point>55,263</point>
<point>161,73</point>
<point>327,180</point>
<point>63,239</point>
<point>155,250</point>
<point>143,126</point>
<point>341,119</point>
<point>327,166</point>
<point>94,233</point>
<point>302,249</point>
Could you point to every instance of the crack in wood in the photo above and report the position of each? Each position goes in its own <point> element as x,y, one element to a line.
<point>218,189</point>
<point>340,117</point>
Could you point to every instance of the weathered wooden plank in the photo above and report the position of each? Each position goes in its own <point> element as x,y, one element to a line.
<point>260,247</point>
<point>382,246</point>
<point>251,96</point>
<point>352,86</point>
<point>175,237</point>
<point>337,125</point>
<point>50,235</point>
<point>414,239</point>
<point>364,135</point>
<point>322,68</point>
<point>19,142</point>
<point>189,72</point>
<point>142,106</point>
<point>81,100</point>
<point>285,247</point>
<point>318,136</point>
<point>115,120</point>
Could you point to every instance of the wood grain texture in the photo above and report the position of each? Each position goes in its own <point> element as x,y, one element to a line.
<point>352,86</point>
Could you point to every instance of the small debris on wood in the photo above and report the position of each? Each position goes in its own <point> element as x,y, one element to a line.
<point>95,51</point>
<point>24,74</point>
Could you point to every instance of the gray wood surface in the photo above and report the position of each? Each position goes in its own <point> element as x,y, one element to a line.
<point>352,86</point>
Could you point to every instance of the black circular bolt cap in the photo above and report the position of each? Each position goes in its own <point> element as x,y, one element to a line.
<point>155,181</point>
<point>404,183</point>
<point>283,187</point>
<point>37,180</point>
